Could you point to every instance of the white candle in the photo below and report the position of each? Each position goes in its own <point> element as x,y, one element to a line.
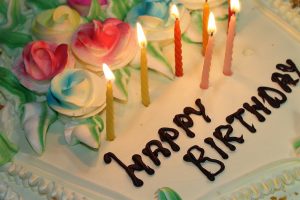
<point>235,7</point>
<point>208,53</point>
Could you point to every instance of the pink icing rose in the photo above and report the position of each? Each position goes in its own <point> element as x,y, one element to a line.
<point>112,42</point>
<point>40,62</point>
<point>83,6</point>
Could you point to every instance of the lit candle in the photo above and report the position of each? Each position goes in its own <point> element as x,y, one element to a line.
<point>177,41</point>
<point>204,27</point>
<point>235,7</point>
<point>110,128</point>
<point>211,29</point>
<point>229,12</point>
<point>144,66</point>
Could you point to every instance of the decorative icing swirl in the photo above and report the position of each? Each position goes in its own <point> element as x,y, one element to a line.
<point>77,93</point>
<point>155,17</point>
<point>7,192</point>
<point>83,6</point>
<point>40,62</point>
<point>56,25</point>
<point>112,42</point>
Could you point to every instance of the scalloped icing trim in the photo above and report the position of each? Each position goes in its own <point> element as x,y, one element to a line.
<point>29,180</point>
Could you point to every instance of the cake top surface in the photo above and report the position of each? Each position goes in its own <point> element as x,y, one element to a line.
<point>259,46</point>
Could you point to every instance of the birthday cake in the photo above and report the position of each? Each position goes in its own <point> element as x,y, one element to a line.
<point>64,136</point>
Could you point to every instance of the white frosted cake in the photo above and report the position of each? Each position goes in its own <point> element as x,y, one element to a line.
<point>235,140</point>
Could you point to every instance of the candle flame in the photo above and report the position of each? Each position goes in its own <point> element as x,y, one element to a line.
<point>141,35</point>
<point>211,28</point>
<point>174,11</point>
<point>109,75</point>
<point>235,5</point>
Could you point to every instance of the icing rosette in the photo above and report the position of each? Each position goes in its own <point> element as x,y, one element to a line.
<point>56,25</point>
<point>40,62</point>
<point>156,19</point>
<point>83,6</point>
<point>112,42</point>
<point>77,93</point>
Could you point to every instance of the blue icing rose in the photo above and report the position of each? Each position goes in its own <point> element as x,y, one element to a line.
<point>155,8</point>
<point>77,93</point>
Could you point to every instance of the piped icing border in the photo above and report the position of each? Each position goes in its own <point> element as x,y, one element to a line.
<point>278,176</point>
<point>20,175</point>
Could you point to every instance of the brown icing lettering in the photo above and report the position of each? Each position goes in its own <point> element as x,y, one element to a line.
<point>238,115</point>
<point>138,165</point>
<point>185,122</point>
<point>284,80</point>
<point>164,135</point>
<point>210,141</point>
<point>290,67</point>
<point>257,106</point>
<point>227,139</point>
<point>153,155</point>
<point>274,101</point>
<point>200,112</point>
<point>190,157</point>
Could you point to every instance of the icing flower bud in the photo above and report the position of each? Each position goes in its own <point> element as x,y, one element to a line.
<point>40,62</point>
<point>83,6</point>
<point>56,25</point>
<point>112,42</point>
<point>77,93</point>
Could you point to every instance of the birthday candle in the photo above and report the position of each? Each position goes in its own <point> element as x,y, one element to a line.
<point>211,29</point>
<point>235,7</point>
<point>110,129</point>
<point>144,66</point>
<point>177,41</point>
<point>204,27</point>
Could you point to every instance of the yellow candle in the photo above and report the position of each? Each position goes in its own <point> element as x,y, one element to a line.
<point>110,128</point>
<point>204,26</point>
<point>144,66</point>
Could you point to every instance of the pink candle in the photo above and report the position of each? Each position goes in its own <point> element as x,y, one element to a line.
<point>208,53</point>
<point>230,38</point>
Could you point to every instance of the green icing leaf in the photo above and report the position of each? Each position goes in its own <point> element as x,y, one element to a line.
<point>96,127</point>
<point>14,39</point>
<point>44,4</point>
<point>96,12</point>
<point>3,11</point>
<point>15,12</point>
<point>167,193</point>
<point>7,149</point>
<point>122,77</point>
<point>121,8</point>
<point>197,19</point>
<point>9,85</point>
<point>156,53</point>
<point>296,144</point>
<point>188,40</point>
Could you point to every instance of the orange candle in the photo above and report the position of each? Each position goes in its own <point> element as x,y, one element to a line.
<point>177,41</point>
<point>204,27</point>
